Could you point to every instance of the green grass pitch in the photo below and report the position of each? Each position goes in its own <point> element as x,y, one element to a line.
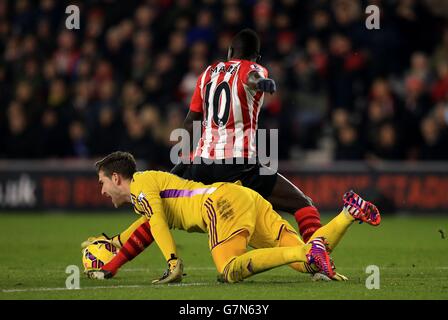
<point>36,249</point>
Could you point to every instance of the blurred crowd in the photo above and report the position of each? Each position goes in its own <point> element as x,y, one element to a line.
<point>125,78</point>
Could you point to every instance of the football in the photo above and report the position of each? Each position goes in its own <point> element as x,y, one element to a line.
<point>98,254</point>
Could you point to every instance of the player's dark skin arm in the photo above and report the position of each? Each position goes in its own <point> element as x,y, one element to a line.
<point>256,82</point>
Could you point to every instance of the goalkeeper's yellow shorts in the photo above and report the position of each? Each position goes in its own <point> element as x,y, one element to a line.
<point>233,208</point>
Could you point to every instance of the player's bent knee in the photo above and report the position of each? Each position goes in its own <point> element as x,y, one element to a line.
<point>233,247</point>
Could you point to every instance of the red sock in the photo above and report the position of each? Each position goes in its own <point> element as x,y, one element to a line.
<point>137,242</point>
<point>308,219</point>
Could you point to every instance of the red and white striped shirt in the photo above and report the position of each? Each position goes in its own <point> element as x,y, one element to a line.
<point>230,110</point>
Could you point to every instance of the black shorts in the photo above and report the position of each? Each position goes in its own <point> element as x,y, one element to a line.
<point>248,174</point>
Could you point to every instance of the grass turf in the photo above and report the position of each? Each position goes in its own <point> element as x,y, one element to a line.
<point>36,249</point>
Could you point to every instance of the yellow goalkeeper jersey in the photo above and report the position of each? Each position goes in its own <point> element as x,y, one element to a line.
<point>169,202</point>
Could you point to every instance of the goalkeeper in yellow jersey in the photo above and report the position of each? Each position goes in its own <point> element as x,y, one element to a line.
<point>234,217</point>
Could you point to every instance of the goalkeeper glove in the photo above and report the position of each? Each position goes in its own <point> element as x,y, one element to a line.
<point>339,277</point>
<point>266,85</point>
<point>98,274</point>
<point>115,240</point>
<point>321,277</point>
<point>173,274</point>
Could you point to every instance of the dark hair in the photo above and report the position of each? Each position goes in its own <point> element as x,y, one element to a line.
<point>118,162</point>
<point>246,44</point>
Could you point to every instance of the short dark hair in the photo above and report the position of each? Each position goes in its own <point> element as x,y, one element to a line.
<point>246,44</point>
<point>119,162</point>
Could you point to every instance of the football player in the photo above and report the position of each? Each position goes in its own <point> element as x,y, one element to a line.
<point>234,217</point>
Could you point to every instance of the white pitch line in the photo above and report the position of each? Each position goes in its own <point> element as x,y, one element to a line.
<point>186,268</point>
<point>107,287</point>
<point>33,289</point>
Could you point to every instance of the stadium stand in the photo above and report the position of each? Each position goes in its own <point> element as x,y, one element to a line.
<point>124,80</point>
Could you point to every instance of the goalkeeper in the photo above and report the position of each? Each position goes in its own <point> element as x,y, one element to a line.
<point>235,217</point>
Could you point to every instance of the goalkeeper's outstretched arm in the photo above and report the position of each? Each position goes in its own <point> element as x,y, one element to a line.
<point>131,242</point>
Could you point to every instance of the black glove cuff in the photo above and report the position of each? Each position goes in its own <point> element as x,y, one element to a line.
<point>173,257</point>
